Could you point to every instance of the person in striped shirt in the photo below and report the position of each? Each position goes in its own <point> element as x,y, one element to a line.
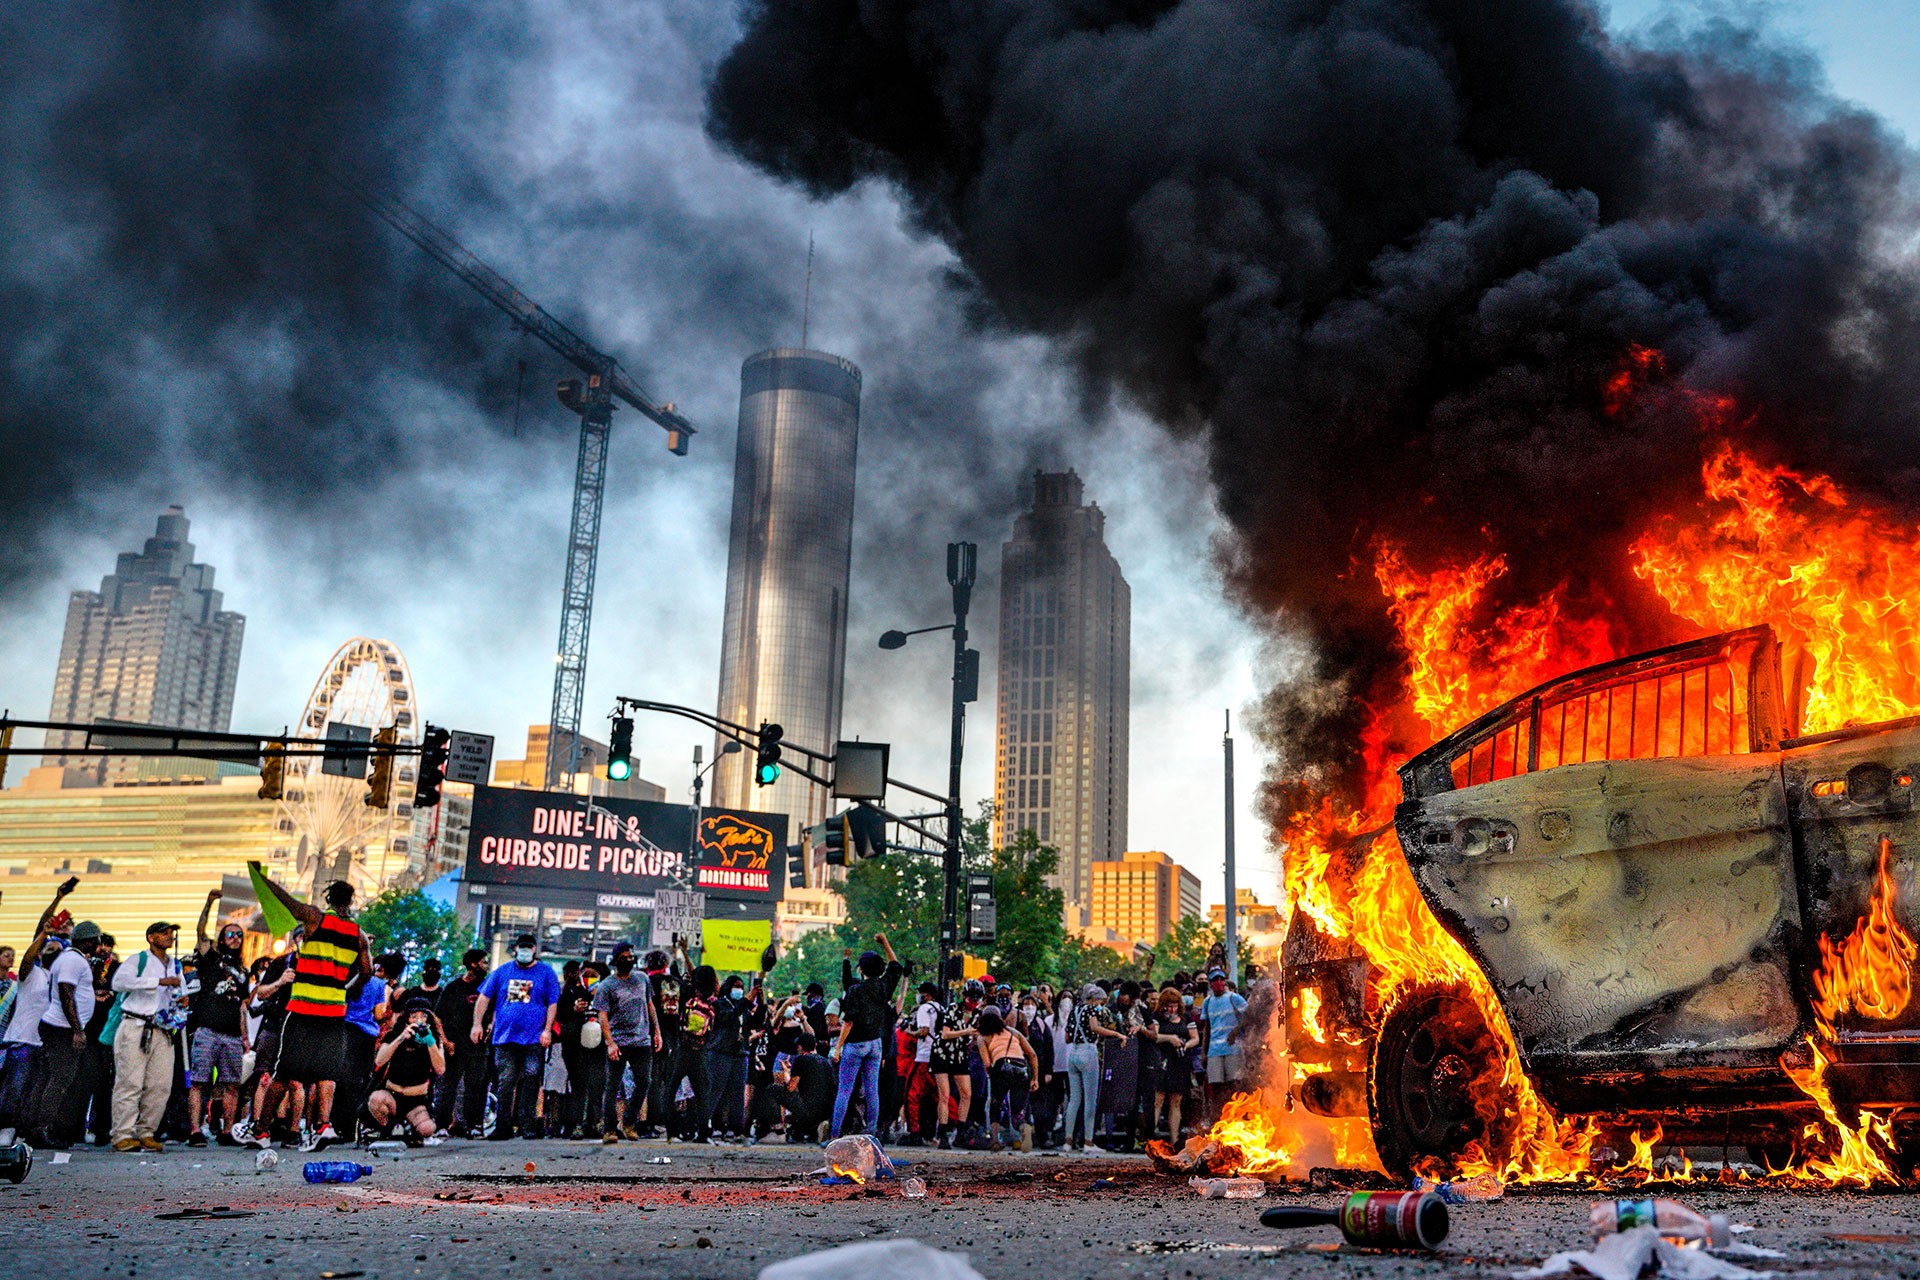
<point>313,1038</point>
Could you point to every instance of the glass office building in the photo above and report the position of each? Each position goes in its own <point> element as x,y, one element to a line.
<point>783,652</point>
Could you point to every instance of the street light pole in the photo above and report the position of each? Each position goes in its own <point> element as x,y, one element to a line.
<point>966,686</point>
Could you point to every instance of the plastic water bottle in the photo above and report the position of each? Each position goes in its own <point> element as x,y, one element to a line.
<point>913,1188</point>
<point>266,1160</point>
<point>335,1171</point>
<point>1229,1188</point>
<point>1671,1218</point>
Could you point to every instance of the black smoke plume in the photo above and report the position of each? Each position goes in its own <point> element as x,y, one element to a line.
<point>1384,255</point>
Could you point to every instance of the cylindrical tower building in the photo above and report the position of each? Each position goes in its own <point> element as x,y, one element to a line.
<point>783,652</point>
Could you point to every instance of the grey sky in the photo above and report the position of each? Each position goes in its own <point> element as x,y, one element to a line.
<point>618,212</point>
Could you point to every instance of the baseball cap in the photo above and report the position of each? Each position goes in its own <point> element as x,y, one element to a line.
<point>1216,975</point>
<point>161,926</point>
<point>86,931</point>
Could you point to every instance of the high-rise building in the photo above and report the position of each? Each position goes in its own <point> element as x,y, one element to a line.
<point>1143,895</point>
<point>1250,916</point>
<point>590,779</point>
<point>783,650</point>
<point>1066,615</point>
<point>152,646</point>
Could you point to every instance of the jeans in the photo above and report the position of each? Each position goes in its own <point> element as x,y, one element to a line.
<point>467,1071</point>
<point>60,1060</point>
<point>586,1080</point>
<point>859,1063</point>
<point>691,1064</point>
<point>727,1072</point>
<point>666,1078</point>
<point>517,1071</point>
<point>636,1062</point>
<point>1083,1089</point>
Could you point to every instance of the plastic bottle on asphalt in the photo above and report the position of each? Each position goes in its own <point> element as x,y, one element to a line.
<point>335,1171</point>
<point>389,1149</point>
<point>266,1160</point>
<point>1669,1217</point>
<point>1229,1188</point>
<point>858,1156</point>
<point>913,1188</point>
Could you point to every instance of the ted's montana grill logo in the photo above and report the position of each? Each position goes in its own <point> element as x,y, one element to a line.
<point>733,853</point>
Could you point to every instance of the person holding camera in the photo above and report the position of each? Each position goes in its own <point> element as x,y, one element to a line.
<point>410,1058</point>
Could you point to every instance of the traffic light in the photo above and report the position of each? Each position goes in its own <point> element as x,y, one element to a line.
<point>273,771</point>
<point>620,753</point>
<point>766,770</point>
<point>866,833</point>
<point>380,768</point>
<point>797,866</point>
<point>433,767</point>
<point>833,838</point>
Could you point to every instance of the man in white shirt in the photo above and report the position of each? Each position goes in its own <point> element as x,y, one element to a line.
<point>149,983</point>
<point>63,1034</point>
<point>22,1038</point>
<point>918,1085</point>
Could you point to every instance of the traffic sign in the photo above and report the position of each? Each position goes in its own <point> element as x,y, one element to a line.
<point>470,758</point>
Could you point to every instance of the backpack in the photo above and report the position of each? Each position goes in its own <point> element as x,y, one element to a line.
<point>111,1027</point>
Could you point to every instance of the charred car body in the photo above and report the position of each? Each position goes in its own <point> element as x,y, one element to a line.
<point>1642,858</point>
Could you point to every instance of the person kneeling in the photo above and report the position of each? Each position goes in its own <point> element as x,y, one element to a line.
<point>410,1058</point>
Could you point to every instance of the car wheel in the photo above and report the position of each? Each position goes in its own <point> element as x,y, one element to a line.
<point>1436,1084</point>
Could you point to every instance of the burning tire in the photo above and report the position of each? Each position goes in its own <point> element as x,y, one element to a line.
<point>1435,1085</point>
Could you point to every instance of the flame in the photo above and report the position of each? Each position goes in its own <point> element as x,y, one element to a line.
<point>1310,1016</point>
<point>1643,1145</point>
<point>1871,973</point>
<point>1255,1135</point>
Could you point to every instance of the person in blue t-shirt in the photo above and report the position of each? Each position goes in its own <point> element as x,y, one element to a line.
<point>523,997</point>
<point>1226,1065</point>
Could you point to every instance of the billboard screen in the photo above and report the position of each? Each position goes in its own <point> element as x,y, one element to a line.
<point>628,848</point>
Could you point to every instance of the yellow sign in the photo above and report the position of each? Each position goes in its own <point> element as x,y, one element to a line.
<point>734,945</point>
<point>972,968</point>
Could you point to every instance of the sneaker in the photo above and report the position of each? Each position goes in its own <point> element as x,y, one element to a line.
<point>226,1139</point>
<point>151,1143</point>
<point>128,1144</point>
<point>644,1131</point>
<point>632,1134</point>
<point>433,1140</point>
<point>197,1139</point>
<point>609,1138</point>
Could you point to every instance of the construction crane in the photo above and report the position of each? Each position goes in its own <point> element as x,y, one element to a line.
<point>592,397</point>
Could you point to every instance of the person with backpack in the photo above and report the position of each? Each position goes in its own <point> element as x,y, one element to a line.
<point>150,1011</point>
<point>1012,1067</point>
<point>866,1017</point>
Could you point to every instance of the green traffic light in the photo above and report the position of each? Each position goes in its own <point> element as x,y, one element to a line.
<point>620,769</point>
<point>767,775</point>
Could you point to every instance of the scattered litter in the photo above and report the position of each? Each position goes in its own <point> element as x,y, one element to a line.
<point>389,1149</point>
<point>913,1188</point>
<point>1623,1255</point>
<point>1103,1184</point>
<point>1154,1247</point>
<point>1675,1220</point>
<point>659,1159</point>
<point>1229,1188</point>
<point>855,1158</point>
<point>1856,1237</point>
<point>218,1211</point>
<point>1375,1219</point>
<point>266,1160</point>
<point>1487,1186</point>
<point>334,1171</point>
<point>62,1157</point>
<point>1325,1178</point>
<point>874,1258</point>
<point>16,1162</point>
<point>340,1275</point>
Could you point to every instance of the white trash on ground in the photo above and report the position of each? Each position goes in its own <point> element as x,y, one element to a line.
<point>874,1258</point>
<point>1624,1255</point>
<point>1229,1188</point>
<point>913,1188</point>
<point>859,1157</point>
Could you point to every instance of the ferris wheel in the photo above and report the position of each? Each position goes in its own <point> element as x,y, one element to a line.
<point>328,830</point>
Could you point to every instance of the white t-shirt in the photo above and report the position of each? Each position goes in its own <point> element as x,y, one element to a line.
<point>70,967</point>
<point>29,1006</point>
<point>925,1018</point>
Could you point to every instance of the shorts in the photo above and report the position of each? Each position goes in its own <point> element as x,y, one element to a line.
<point>952,1069</point>
<point>1226,1068</point>
<point>215,1054</point>
<point>266,1047</point>
<point>312,1050</point>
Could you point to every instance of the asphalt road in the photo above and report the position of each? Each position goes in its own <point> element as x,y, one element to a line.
<point>476,1210</point>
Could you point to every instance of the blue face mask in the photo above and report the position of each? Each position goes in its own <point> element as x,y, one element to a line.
<point>524,955</point>
<point>1187,1001</point>
<point>736,994</point>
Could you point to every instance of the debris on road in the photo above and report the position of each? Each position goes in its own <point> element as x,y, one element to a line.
<point>1375,1219</point>
<point>1229,1188</point>
<point>189,1215</point>
<point>1673,1220</point>
<point>266,1160</point>
<point>858,1157</point>
<point>335,1171</point>
<point>1623,1255</point>
<point>16,1162</point>
<point>913,1188</point>
<point>1487,1186</point>
<point>873,1258</point>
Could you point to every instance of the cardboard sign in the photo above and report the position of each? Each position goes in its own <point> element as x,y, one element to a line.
<point>675,912</point>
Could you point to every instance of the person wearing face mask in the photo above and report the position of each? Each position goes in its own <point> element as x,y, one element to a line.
<point>217,1034</point>
<point>623,1004</point>
<point>1225,1066</point>
<point>410,1057</point>
<point>727,1062</point>
<point>63,1035</point>
<point>1036,1024</point>
<point>462,1105</point>
<point>524,998</point>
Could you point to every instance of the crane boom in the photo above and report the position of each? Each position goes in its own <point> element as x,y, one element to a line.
<point>605,382</point>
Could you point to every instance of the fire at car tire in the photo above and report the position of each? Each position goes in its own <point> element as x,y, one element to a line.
<point>1436,1085</point>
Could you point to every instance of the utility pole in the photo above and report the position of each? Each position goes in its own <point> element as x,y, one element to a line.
<point>961,558</point>
<point>1233,906</point>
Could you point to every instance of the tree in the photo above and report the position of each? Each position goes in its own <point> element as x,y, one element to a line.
<point>1028,928</point>
<point>815,957</point>
<point>1082,962</point>
<point>1185,948</point>
<point>411,923</point>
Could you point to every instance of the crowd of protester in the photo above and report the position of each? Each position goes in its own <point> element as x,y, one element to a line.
<point>333,1042</point>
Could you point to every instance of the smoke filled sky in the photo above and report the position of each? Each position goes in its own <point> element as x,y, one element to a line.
<point>196,316</point>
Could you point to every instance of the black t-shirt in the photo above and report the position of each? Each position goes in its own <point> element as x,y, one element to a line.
<point>409,1067</point>
<point>572,1020</point>
<point>417,993</point>
<point>728,1015</point>
<point>274,1012</point>
<point>868,1005</point>
<point>815,1080</point>
<point>667,993</point>
<point>815,1010</point>
<point>223,991</point>
<point>456,1009</point>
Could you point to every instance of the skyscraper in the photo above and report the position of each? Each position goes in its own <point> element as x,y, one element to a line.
<point>152,646</point>
<point>1066,617</point>
<point>783,650</point>
<point>1143,895</point>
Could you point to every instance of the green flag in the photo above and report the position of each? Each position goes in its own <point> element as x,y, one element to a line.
<point>280,921</point>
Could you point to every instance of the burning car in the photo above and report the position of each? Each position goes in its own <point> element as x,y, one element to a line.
<point>1654,873</point>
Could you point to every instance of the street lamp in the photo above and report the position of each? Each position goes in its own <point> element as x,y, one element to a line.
<point>961,564</point>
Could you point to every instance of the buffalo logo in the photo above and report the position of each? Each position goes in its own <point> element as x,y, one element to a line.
<point>727,841</point>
